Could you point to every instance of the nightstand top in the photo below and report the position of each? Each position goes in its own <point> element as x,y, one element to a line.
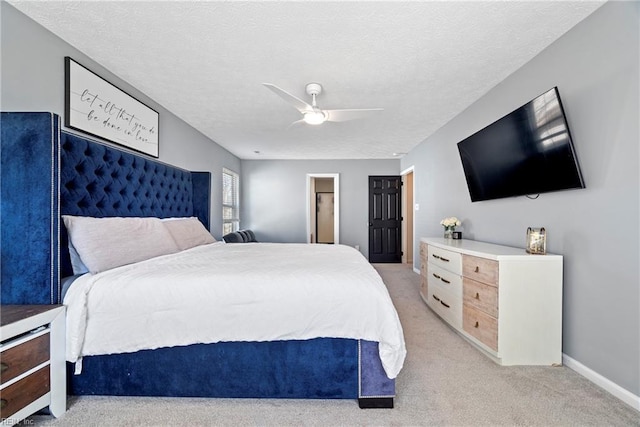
<point>14,313</point>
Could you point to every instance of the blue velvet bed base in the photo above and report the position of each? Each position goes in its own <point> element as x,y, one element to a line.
<point>47,173</point>
<point>322,368</point>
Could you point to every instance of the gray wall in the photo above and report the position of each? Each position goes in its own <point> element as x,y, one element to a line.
<point>33,80</point>
<point>274,197</point>
<point>595,67</point>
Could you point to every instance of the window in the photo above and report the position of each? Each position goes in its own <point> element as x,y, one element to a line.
<point>230,201</point>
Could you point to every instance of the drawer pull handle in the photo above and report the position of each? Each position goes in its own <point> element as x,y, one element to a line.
<point>435,297</point>
<point>435,256</point>
<point>477,269</point>
<point>446,305</point>
<point>3,367</point>
<point>436,276</point>
<point>476,325</point>
<point>445,281</point>
<point>477,295</point>
<point>3,403</point>
<point>444,259</point>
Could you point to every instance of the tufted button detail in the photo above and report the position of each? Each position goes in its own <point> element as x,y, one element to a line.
<point>99,180</point>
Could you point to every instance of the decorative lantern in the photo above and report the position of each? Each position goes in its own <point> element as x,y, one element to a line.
<point>536,241</point>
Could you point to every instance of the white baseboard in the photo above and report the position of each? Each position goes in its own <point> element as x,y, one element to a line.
<point>625,395</point>
<point>416,270</point>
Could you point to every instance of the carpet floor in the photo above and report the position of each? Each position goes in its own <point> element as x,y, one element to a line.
<point>445,382</point>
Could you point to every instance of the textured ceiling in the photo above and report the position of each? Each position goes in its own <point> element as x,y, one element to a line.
<point>205,61</point>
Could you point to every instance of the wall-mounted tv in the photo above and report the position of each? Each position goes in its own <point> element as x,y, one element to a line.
<point>527,152</point>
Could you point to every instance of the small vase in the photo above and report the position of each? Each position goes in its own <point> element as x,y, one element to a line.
<point>448,232</point>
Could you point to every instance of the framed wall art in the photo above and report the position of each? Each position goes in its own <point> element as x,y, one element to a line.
<point>95,106</point>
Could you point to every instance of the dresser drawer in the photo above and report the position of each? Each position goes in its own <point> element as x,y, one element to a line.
<point>448,260</point>
<point>481,296</point>
<point>423,250</point>
<point>438,277</point>
<point>481,269</point>
<point>23,392</point>
<point>423,267</point>
<point>424,271</point>
<point>27,355</point>
<point>424,288</point>
<point>480,325</point>
<point>446,306</point>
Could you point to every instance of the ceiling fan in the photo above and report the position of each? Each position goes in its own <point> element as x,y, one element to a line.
<point>314,115</point>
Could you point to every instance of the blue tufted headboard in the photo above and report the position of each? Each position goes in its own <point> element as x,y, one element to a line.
<point>47,173</point>
<point>101,181</point>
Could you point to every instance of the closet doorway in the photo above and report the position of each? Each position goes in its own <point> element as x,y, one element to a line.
<point>323,208</point>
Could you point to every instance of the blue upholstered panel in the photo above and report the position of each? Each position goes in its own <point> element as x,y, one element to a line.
<point>322,368</point>
<point>202,196</point>
<point>28,208</point>
<point>373,380</point>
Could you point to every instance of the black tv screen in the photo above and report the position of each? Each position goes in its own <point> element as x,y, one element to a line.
<point>527,152</point>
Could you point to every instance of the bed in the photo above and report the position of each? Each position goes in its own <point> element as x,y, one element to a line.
<point>48,174</point>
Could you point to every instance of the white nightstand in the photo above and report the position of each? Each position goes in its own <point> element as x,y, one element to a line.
<point>32,360</point>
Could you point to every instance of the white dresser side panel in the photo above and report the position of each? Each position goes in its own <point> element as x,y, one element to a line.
<point>530,319</point>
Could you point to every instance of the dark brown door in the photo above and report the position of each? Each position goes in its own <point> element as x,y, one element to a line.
<point>385,219</point>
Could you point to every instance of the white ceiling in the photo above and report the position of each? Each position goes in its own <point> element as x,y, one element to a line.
<point>205,61</point>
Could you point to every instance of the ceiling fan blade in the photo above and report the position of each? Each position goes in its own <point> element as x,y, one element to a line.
<point>295,124</point>
<point>297,103</point>
<point>349,114</point>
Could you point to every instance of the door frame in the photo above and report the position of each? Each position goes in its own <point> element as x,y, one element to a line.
<point>408,205</point>
<point>336,204</point>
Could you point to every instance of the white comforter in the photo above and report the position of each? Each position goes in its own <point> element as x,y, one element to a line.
<point>234,292</point>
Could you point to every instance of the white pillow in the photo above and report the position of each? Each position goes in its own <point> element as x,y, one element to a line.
<point>77,265</point>
<point>105,243</point>
<point>188,232</point>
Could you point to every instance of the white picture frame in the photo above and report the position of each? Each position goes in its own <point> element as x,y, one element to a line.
<point>97,107</point>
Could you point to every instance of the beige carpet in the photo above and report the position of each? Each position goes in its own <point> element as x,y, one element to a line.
<point>445,382</point>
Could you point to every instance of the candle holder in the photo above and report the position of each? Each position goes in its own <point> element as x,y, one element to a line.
<point>536,241</point>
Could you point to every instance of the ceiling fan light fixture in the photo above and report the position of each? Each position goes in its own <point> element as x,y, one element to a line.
<point>314,117</point>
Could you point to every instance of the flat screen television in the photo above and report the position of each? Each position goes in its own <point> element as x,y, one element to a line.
<point>527,152</point>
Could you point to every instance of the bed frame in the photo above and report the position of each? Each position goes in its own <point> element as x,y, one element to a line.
<point>47,173</point>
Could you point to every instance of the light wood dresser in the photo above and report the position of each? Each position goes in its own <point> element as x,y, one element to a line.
<point>32,360</point>
<point>504,301</point>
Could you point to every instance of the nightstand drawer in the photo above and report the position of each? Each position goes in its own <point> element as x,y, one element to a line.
<point>23,392</point>
<point>481,269</point>
<point>17,360</point>
<point>480,325</point>
<point>481,296</point>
